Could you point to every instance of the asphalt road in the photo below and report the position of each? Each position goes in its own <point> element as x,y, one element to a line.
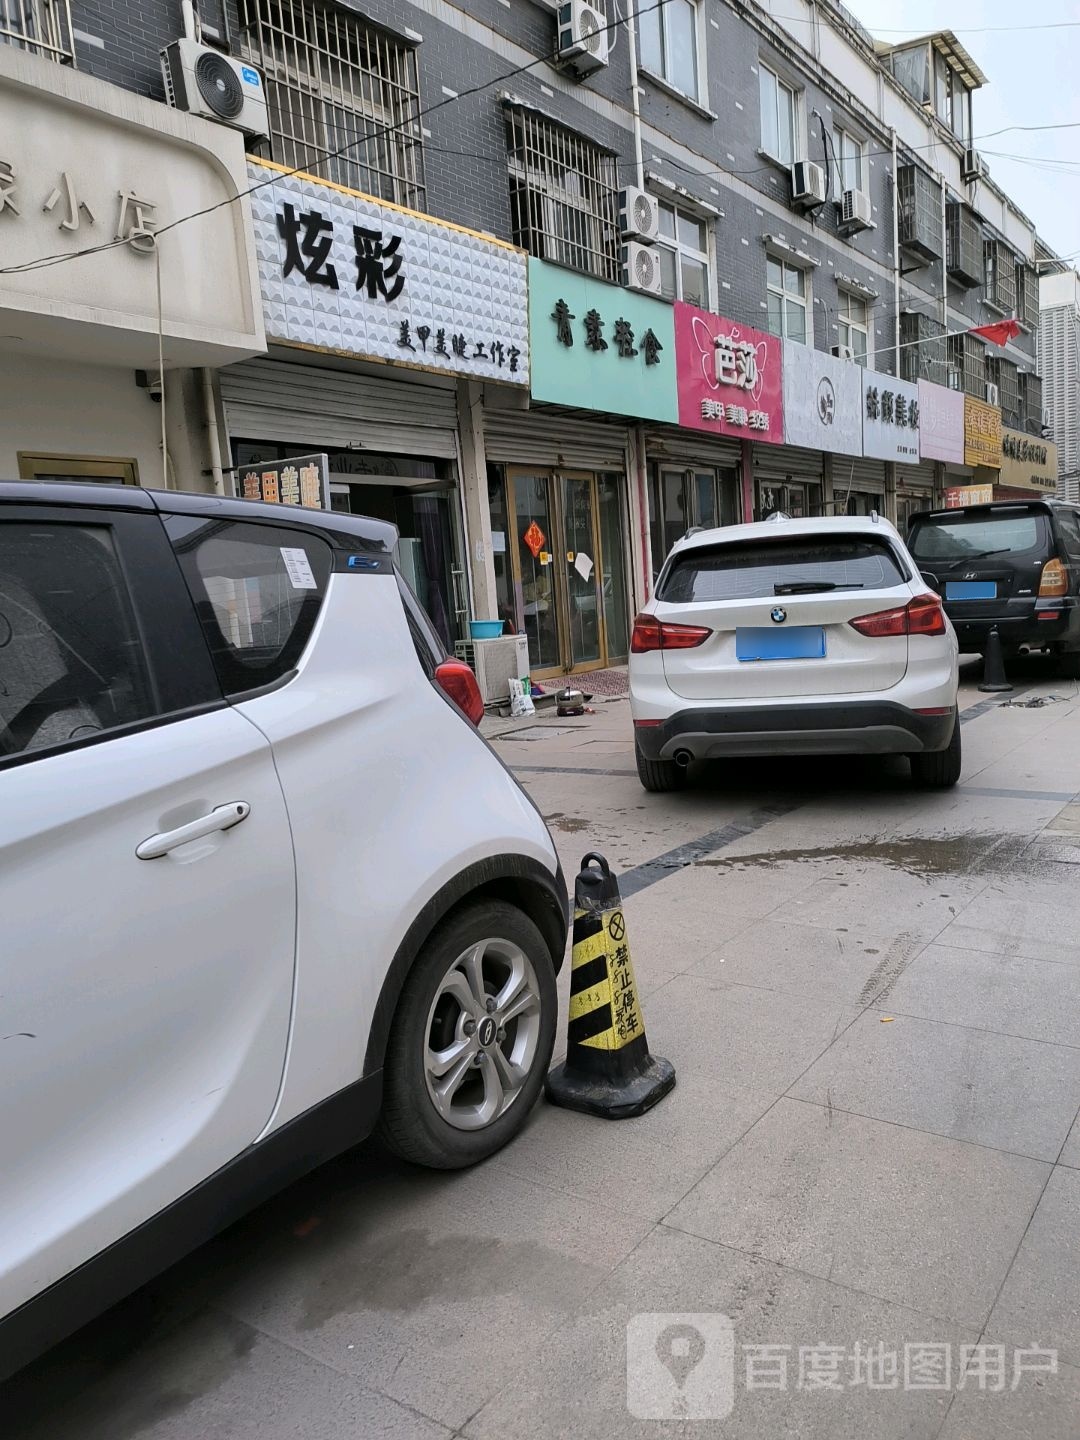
<point>858,1213</point>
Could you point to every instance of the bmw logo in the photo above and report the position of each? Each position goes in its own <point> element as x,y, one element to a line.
<point>778,616</point>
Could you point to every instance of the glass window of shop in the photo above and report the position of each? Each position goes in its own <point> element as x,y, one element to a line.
<point>559,549</point>
<point>797,499</point>
<point>420,497</point>
<point>682,499</point>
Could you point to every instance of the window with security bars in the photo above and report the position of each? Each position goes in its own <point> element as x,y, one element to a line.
<point>1031,402</point>
<point>343,96</point>
<point>41,26</point>
<point>999,272</point>
<point>1027,295</point>
<point>963,244</point>
<point>564,198</point>
<point>919,203</point>
<point>1003,374</point>
<point>966,365</point>
<point>922,348</point>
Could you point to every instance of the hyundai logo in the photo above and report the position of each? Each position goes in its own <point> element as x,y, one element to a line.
<point>778,616</point>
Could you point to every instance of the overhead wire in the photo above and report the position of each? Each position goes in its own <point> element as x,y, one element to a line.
<point>59,258</point>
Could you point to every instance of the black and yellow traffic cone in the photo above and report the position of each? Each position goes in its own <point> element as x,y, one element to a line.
<point>608,1069</point>
<point>994,677</point>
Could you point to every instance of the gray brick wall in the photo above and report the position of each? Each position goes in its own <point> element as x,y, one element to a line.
<point>715,158</point>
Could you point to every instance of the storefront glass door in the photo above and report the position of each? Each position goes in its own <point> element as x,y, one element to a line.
<point>568,568</point>
<point>532,503</point>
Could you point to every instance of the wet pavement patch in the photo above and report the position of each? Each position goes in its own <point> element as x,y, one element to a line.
<point>916,855</point>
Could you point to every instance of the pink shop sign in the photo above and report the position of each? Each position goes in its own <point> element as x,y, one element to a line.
<point>729,377</point>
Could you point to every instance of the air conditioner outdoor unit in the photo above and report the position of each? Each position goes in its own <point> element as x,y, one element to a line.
<point>993,395</point>
<point>639,214</point>
<point>583,36</point>
<point>856,211</point>
<point>807,184</point>
<point>973,166</point>
<point>641,268</point>
<point>497,662</point>
<point>204,82</point>
<point>843,352</point>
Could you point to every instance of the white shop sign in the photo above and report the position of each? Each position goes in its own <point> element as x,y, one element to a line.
<point>890,418</point>
<point>822,401</point>
<point>343,272</point>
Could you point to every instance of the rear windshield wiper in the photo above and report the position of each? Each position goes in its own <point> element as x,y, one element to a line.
<point>979,555</point>
<point>812,587</point>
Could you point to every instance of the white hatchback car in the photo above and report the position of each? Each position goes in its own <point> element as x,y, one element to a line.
<point>263,885</point>
<point>793,637</point>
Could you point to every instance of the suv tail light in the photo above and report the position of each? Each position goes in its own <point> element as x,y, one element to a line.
<point>652,634</point>
<point>457,680</point>
<point>921,616</point>
<point>1055,579</point>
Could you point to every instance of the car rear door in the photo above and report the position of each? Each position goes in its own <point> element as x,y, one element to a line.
<point>983,562</point>
<point>779,613</point>
<point>147,890</point>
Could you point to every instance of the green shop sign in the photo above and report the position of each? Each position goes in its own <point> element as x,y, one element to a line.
<point>599,346</point>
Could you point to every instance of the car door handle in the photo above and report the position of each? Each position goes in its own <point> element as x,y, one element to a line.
<point>224,817</point>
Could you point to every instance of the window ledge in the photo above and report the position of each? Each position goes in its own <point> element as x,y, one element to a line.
<point>783,165</point>
<point>677,94</point>
<point>783,247</point>
<point>994,306</point>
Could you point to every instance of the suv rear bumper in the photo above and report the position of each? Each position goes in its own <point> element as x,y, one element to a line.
<point>863,728</point>
<point>1018,623</point>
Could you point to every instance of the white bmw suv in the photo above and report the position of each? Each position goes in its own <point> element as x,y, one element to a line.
<point>793,637</point>
<point>263,886</point>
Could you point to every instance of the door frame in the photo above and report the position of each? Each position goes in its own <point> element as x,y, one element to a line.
<point>556,476</point>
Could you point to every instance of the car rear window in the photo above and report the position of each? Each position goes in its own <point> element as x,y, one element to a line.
<point>971,537</point>
<point>754,571</point>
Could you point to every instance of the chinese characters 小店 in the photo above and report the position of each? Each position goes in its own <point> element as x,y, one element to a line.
<point>136,224</point>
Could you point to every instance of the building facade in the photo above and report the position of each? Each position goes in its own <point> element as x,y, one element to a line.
<point>1059,364</point>
<point>600,274</point>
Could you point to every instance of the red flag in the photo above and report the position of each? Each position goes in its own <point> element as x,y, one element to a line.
<point>1000,333</point>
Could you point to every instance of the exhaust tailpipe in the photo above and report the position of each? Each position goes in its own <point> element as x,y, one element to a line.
<point>682,758</point>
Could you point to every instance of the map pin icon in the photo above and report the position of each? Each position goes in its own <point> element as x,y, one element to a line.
<point>680,1349</point>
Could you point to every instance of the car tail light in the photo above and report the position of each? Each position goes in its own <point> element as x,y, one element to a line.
<point>652,634</point>
<point>457,680</point>
<point>1055,579</point>
<point>921,616</point>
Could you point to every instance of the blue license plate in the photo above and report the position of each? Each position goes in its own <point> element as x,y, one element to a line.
<point>800,642</point>
<point>971,590</point>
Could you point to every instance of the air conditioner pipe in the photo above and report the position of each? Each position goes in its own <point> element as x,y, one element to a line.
<point>212,435</point>
<point>635,98</point>
<point>189,18</point>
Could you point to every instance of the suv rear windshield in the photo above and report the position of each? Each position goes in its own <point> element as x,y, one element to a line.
<point>777,567</point>
<point>975,537</point>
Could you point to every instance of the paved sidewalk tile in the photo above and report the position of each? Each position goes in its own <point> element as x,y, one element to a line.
<point>1070,1155</point>
<point>424,1285</point>
<point>740,1038</point>
<point>1042,1407</point>
<point>574,1386</point>
<point>644,1165</point>
<point>1037,999</point>
<point>215,1378</point>
<point>992,1089</point>
<point>927,1222</point>
<point>850,966</point>
<point>1040,1301</point>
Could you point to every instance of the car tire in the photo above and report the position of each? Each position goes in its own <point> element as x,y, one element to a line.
<point>659,777</point>
<point>940,769</point>
<point>437,1004</point>
<point>1068,664</point>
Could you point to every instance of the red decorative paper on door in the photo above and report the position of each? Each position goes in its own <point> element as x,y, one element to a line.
<point>535,539</point>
